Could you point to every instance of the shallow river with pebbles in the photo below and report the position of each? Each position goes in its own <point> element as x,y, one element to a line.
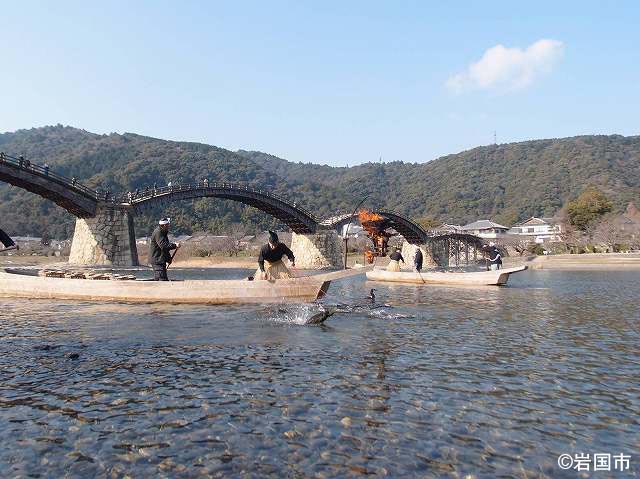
<point>429,382</point>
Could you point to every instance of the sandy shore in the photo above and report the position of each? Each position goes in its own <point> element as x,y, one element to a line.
<point>8,261</point>
<point>595,262</point>
<point>214,262</point>
<point>217,262</point>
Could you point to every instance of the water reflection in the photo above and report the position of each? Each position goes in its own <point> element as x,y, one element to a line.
<point>443,382</point>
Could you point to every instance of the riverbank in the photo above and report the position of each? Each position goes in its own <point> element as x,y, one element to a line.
<point>562,262</point>
<point>212,262</point>
<point>217,262</point>
<point>8,261</point>
<point>587,262</point>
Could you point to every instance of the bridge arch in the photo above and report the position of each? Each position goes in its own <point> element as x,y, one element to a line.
<point>74,197</point>
<point>298,219</point>
<point>105,233</point>
<point>410,230</point>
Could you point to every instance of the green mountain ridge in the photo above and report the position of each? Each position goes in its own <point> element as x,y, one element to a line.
<point>506,182</point>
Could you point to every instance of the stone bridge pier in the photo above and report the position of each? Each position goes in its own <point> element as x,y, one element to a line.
<point>323,249</point>
<point>409,253</point>
<point>109,238</point>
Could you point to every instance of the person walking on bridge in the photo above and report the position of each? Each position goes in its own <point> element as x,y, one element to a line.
<point>270,265</point>
<point>160,250</point>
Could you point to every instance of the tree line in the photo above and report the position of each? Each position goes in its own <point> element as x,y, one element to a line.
<point>507,183</point>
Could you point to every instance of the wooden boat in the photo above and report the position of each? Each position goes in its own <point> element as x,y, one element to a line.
<point>27,284</point>
<point>479,278</point>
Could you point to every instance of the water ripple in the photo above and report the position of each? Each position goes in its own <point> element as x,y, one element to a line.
<point>441,382</point>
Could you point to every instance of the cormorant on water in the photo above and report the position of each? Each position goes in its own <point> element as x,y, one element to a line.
<point>322,316</point>
<point>372,295</point>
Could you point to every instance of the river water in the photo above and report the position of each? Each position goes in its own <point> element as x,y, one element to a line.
<point>429,382</point>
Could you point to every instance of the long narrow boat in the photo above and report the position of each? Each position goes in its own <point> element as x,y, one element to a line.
<point>479,278</point>
<point>27,284</point>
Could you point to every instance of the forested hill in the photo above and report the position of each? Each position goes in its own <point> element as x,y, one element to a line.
<point>507,183</point>
<point>503,182</point>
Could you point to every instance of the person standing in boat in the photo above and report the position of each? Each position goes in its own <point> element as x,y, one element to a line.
<point>417,260</point>
<point>495,259</point>
<point>270,265</point>
<point>395,257</point>
<point>160,250</point>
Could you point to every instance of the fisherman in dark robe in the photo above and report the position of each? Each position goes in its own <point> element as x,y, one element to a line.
<point>160,250</point>
<point>417,260</point>
<point>395,258</point>
<point>270,265</point>
<point>495,258</point>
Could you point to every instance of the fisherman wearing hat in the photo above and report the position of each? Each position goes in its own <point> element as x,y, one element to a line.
<point>270,265</point>
<point>494,257</point>
<point>159,250</point>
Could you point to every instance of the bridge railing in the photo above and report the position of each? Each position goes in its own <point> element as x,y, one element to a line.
<point>142,195</point>
<point>44,171</point>
<point>340,216</point>
<point>400,215</point>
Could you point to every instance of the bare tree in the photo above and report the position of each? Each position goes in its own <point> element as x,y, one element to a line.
<point>517,243</point>
<point>572,238</point>
<point>235,233</point>
<point>633,236</point>
<point>609,232</point>
<point>204,245</point>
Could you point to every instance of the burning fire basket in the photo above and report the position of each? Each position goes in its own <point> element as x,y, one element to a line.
<point>376,227</point>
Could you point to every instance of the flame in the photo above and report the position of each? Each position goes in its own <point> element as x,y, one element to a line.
<point>375,225</point>
<point>369,256</point>
<point>366,216</point>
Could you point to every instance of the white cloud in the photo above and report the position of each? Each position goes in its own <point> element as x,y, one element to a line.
<point>502,68</point>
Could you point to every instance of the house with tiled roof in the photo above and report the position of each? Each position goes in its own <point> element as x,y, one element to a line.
<point>485,229</point>
<point>539,230</point>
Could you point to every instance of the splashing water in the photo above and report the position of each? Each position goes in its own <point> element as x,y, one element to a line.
<point>385,313</point>
<point>300,314</point>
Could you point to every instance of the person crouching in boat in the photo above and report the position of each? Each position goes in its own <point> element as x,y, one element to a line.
<point>495,259</point>
<point>160,250</point>
<point>270,265</point>
<point>395,257</point>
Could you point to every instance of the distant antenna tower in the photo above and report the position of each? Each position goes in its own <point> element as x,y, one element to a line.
<point>495,138</point>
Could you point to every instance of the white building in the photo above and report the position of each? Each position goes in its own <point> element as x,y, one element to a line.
<point>355,230</point>
<point>539,230</point>
<point>446,228</point>
<point>485,229</point>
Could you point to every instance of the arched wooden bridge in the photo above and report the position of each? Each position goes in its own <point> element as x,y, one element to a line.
<point>83,202</point>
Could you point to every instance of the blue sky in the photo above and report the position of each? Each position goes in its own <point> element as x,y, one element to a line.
<point>340,83</point>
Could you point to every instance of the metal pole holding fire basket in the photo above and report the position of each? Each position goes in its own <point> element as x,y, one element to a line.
<point>346,234</point>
